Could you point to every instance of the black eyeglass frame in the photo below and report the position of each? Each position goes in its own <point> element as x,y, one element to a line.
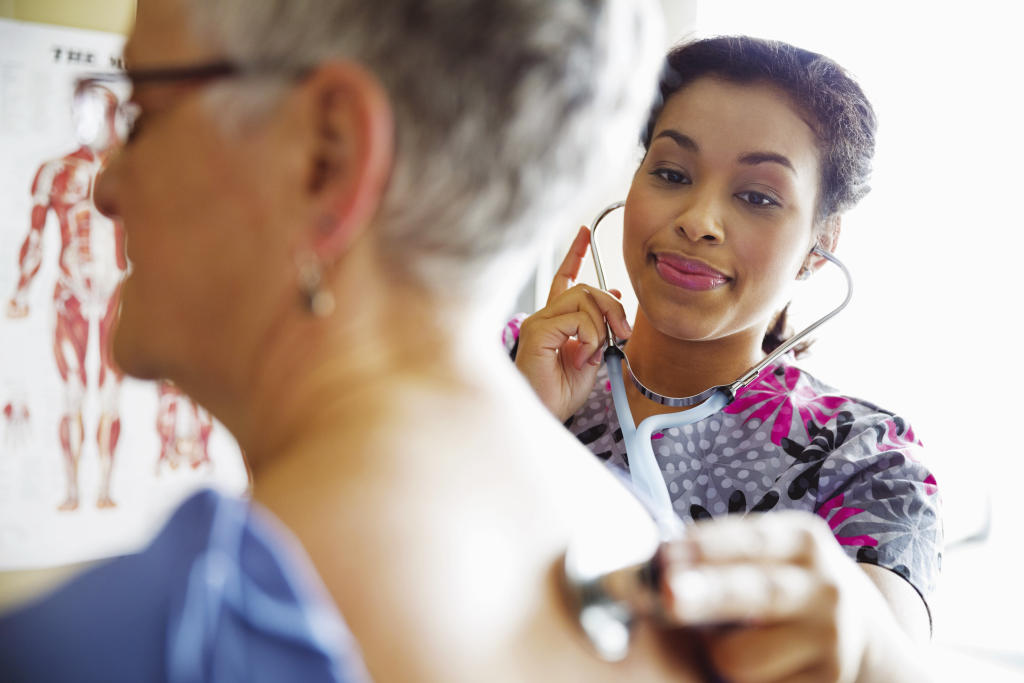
<point>199,72</point>
<point>210,70</point>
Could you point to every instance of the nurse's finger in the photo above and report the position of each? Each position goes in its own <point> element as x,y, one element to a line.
<point>583,340</point>
<point>611,310</point>
<point>570,267</point>
<point>589,301</point>
<point>786,536</point>
<point>816,674</point>
<point>598,304</point>
<point>770,653</point>
<point>550,334</point>
<point>743,593</point>
<point>589,336</point>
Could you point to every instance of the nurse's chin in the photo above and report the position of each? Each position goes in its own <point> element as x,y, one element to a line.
<point>690,332</point>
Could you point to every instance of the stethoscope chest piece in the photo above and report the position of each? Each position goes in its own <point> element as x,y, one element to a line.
<point>608,602</point>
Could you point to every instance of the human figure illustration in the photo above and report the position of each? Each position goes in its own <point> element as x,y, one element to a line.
<point>17,420</point>
<point>184,429</point>
<point>91,265</point>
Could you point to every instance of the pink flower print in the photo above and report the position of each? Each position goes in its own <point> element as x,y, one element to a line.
<point>896,435</point>
<point>776,392</point>
<point>510,334</point>
<point>834,514</point>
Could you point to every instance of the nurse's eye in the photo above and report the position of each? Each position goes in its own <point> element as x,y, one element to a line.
<point>671,175</point>
<point>758,199</point>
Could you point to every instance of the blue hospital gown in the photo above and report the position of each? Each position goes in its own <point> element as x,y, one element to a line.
<point>223,593</point>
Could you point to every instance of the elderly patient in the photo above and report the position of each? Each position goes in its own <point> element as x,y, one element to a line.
<point>328,206</point>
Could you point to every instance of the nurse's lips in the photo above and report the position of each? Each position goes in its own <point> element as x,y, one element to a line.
<point>683,272</point>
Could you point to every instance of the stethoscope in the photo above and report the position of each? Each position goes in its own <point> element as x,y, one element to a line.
<point>608,600</point>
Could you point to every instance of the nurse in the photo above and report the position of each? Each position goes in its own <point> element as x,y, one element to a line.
<point>753,152</point>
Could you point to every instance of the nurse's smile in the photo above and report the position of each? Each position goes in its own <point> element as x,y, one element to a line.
<point>688,273</point>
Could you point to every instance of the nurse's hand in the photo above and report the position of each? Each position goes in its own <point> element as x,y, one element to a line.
<point>561,345</point>
<point>779,601</point>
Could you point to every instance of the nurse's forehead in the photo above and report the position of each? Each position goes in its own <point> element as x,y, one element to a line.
<point>757,117</point>
<point>716,98</point>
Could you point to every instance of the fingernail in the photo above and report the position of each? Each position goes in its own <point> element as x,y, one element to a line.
<point>625,323</point>
<point>692,595</point>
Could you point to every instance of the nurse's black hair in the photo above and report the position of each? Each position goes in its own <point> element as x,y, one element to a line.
<point>828,99</point>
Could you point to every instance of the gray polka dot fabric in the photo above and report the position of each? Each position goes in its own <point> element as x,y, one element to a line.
<point>789,441</point>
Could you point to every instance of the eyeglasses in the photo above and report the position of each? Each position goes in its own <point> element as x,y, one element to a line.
<point>102,104</point>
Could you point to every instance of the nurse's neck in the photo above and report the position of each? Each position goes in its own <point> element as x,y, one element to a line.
<point>680,367</point>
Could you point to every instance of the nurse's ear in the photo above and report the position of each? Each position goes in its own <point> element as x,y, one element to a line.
<point>826,237</point>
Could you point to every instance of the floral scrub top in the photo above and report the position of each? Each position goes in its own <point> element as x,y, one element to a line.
<point>788,441</point>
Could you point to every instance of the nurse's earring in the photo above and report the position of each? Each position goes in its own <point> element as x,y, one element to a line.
<point>806,269</point>
<point>316,297</point>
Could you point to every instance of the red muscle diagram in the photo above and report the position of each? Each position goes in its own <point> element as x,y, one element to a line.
<point>184,428</point>
<point>91,264</point>
<point>17,421</point>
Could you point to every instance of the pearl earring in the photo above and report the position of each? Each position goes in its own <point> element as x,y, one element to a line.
<point>316,298</point>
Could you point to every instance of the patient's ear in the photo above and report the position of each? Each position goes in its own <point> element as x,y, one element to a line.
<point>350,156</point>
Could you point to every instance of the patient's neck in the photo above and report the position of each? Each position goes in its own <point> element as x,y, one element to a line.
<point>383,357</point>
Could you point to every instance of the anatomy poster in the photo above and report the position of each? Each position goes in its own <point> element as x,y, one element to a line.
<point>90,462</point>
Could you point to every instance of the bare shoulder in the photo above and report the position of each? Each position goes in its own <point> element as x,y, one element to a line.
<point>444,551</point>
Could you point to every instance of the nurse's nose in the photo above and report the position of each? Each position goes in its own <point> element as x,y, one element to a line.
<point>700,217</point>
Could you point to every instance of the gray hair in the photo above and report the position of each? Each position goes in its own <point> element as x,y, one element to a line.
<point>505,111</point>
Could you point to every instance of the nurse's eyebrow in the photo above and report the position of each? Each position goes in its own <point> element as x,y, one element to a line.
<point>750,158</point>
<point>755,158</point>
<point>684,141</point>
